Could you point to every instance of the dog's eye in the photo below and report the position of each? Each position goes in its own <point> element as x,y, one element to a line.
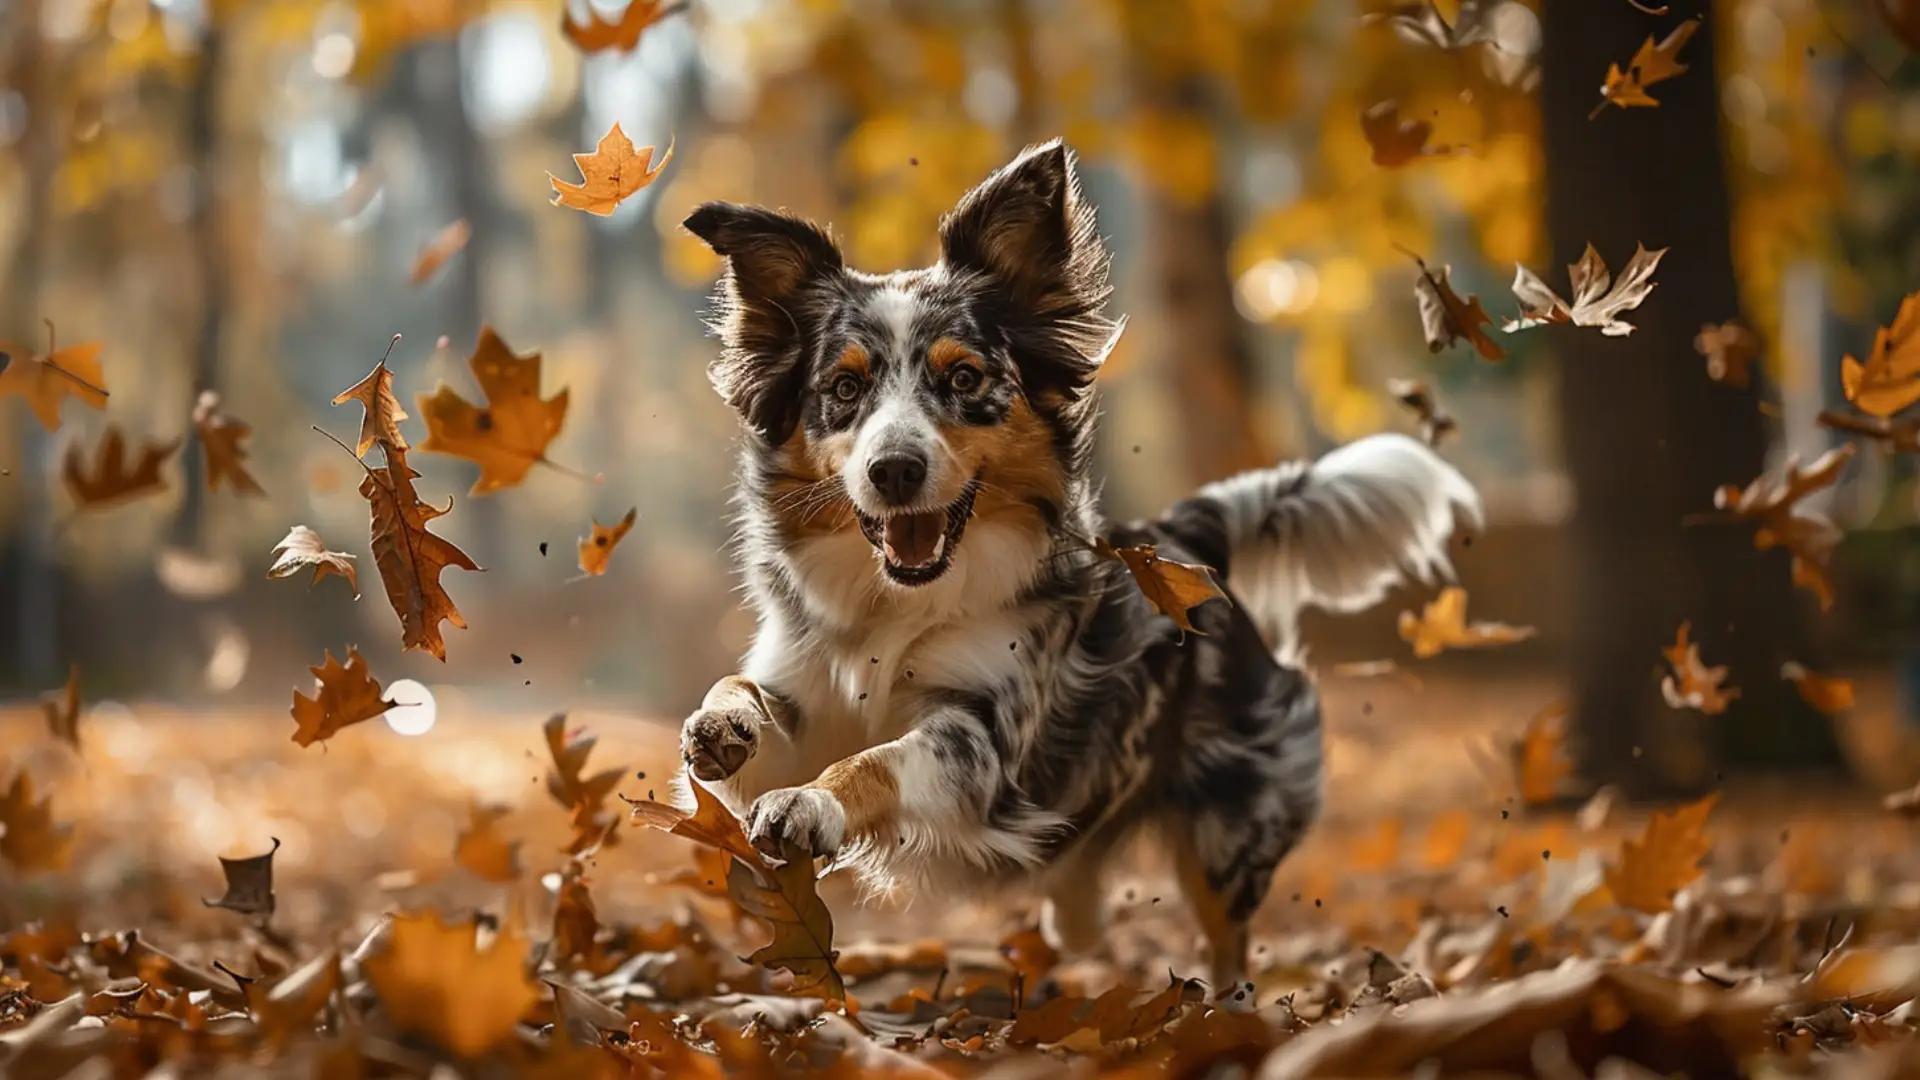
<point>847,387</point>
<point>965,379</point>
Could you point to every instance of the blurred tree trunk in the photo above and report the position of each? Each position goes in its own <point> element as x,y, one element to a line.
<point>1648,436</point>
<point>35,578</point>
<point>210,263</point>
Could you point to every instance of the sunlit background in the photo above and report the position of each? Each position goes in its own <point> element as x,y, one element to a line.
<point>231,195</point>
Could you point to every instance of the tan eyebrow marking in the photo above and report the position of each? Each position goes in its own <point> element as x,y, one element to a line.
<point>854,358</point>
<point>946,352</point>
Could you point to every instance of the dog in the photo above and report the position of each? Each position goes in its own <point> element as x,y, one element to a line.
<point>947,689</point>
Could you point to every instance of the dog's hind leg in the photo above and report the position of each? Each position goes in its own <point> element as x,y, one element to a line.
<point>1072,918</point>
<point>1225,867</point>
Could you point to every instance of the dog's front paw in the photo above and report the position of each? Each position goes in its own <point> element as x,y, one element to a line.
<point>715,743</point>
<point>808,818</point>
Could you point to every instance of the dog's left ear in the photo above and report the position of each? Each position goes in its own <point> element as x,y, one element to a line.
<point>1028,227</point>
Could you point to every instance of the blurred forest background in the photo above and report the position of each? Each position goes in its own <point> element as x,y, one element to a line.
<point>230,195</point>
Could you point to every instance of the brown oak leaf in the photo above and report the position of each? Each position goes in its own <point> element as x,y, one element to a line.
<point>510,434</point>
<point>1173,588</point>
<point>249,884</point>
<point>342,696</point>
<point>597,546</point>
<point>612,172</point>
<point>220,437</point>
<point>1651,63</point>
<point>381,422</point>
<point>409,557</point>
<point>301,548</point>
<point>1445,318</point>
<point>114,479</point>
<point>1692,684</point>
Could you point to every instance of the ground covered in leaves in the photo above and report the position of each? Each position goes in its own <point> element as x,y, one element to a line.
<point>481,898</point>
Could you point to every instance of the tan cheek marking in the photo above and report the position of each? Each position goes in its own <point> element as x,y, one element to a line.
<point>945,353</point>
<point>803,510</point>
<point>867,790</point>
<point>1015,457</point>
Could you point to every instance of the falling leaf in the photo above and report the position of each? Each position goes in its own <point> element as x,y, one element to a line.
<point>63,710</point>
<point>220,437</point>
<point>509,435</point>
<point>301,548</point>
<point>435,981</point>
<point>1664,860</point>
<point>249,884</point>
<point>1730,349</point>
<point>583,797</point>
<point>445,244</point>
<point>709,823</point>
<point>575,923</point>
<point>1443,625</point>
<point>1421,23</point>
<point>1650,64</point>
<point>1889,380</point>
<point>612,172</point>
<point>1594,303</point>
<point>1445,318</point>
<point>1828,693</point>
<point>381,421</point>
<point>342,696</point>
<point>1781,522</point>
<point>1694,685</point>
<point>785,897</point>
<point>1395,140</point>
<point>112,480</point>
<point>1898,436</point>
<point>409,557</point>
<point>287,1007</point>
<point>1540,756</point>
<point>1173,588</point>
<point>597,34</point>
<point>1435,423</point>
<point>47,381</point>
<point>482,850</point>
<point>29,839</point>
<point>597,547</point>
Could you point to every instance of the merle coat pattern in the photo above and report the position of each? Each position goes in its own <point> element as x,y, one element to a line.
<point>946,686</point>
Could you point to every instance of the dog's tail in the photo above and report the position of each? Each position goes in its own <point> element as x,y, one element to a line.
<point>1339,532</point>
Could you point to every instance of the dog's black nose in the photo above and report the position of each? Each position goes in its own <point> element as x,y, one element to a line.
<point>898,477</point>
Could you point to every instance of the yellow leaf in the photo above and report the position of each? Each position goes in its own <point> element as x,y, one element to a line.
<point>46,381</point>
<point>1443,625</point>
<point>597,546</point>
<point>1889,379</point>
<point>1651,64</point>
<point>612,172</point>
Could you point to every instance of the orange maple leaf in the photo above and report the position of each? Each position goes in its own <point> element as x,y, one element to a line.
<point>31,841</point>
<point>1828,693</point>
<point>597,546</point>
<point>1173,588</point>
<point>434,980</point>
<point>1442,625</point>
<point>114,479</point>
<point>1781,522</point>
<point>46,381</point>
<point>597,34</point>
<point>612,172</point>
<point>509,435</point>
<point>1889,379</point>
<point>1540,756</point>
<point>409,557</point>
<point>1664,860</point>
<point>220,437</point>
<point>1651,63</point>
<point>342,696</point>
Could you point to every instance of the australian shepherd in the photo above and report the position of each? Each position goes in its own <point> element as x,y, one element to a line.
<point>946,686</point>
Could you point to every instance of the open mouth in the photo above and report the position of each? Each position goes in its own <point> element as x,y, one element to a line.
<point>917,546</point>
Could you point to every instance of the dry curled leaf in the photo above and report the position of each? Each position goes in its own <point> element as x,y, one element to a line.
<point>786,898</point>
<point>1897,436</point>
<point>482,850</point>
<point>1421,23</point>
<point>29,837</point>
<point>597,546</point>
<point>1774,508</point>
<point>1443,625</point>
<point>1730,349</point>
<point>597,34</point>
<point>1828,693</point>
<point>1889,379</point>
<point>584,797</point>
<point>1598,297</point>
<point>287,1007</point>
<point>1651,64</point>
<point>409,557</point>
<point>249,884</point>
<point>1692,684</point>
<point>113,478</point>
<point>343,695</point>
<point>610,174</point>
<point>1435,423</point>
<point>62,708</point>
<point>435,980</point>
<point>381,421</point>
<point>220,437</point>
<point>510,434</point>
<point>445,244</point>
<point>1664,860</point>
<point>1540,755</point>
<point>1445,318</point>
<point>575,923</point>
<point>301,548</point>
<point>709,823</point>
<point>1396,140</point>
<point>47,381</point>
<point>1173,588</point>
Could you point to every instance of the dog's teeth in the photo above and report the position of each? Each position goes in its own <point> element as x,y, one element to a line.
<point>892,555</point>
<point>939,549</point>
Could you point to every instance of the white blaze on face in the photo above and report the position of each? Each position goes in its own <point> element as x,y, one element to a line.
<point>899,421</point>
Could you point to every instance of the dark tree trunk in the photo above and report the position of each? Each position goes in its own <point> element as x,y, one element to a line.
<point>210,260</point>
<point>1648,436</point>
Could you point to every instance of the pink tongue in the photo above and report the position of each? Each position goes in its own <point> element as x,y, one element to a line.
<point>912,537</point>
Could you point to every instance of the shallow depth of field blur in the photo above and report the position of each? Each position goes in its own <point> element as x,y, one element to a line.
<point>232,194</point>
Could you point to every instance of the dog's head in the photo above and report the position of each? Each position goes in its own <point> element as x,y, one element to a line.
<point>906,405</point>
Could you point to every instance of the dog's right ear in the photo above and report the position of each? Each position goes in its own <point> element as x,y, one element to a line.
<point>773,261</point>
